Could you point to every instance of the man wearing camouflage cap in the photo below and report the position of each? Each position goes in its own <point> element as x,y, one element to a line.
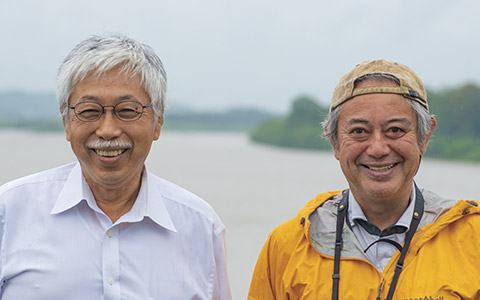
<point>383,237</point>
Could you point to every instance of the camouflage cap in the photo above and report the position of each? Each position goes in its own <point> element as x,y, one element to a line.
<point>410,84</point>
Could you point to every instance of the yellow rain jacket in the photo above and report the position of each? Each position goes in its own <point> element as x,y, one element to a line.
<point>442,262</point>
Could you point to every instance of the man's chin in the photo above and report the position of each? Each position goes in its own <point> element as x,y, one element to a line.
<point>379,189</point>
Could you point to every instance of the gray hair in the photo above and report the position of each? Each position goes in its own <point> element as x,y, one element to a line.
<point>101,54</point>
<point>424,121</point>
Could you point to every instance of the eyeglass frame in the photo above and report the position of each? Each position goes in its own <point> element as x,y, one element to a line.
<point>113,110</point>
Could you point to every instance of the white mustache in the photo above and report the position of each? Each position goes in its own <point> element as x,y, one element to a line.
<point>109,144</point>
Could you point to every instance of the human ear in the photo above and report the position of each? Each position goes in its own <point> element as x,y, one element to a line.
<point>423,147</point>
<point>158,128</point>
<point>66,126</point>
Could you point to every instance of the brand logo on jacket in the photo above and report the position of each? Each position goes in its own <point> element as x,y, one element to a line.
<point>426,298</point>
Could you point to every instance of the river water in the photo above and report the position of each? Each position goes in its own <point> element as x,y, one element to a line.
<point>252,187</point>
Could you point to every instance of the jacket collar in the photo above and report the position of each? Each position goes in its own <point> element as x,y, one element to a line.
<point>319,219</point>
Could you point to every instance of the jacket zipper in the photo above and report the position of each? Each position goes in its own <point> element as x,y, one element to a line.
<point>380,289</point>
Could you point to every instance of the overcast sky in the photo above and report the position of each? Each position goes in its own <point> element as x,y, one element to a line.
<point>220,54</point>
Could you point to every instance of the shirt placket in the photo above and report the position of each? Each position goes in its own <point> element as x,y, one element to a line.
<point>111,264</point>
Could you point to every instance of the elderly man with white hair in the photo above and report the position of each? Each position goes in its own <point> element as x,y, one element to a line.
<point>105,227</point>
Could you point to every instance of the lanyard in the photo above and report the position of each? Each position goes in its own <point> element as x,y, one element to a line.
<point>341,215</point>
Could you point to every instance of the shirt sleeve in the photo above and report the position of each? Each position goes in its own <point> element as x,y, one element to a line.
<point>2,250</point>
<point>221,289</point>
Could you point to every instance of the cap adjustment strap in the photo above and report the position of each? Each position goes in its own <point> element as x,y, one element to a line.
<point>400,90</point>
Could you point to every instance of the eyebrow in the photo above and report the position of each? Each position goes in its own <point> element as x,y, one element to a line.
<point>358,121</point>
<point>399,120</point>
<point>126,97</point>
<point>389,121</point>
<point>89,97</point>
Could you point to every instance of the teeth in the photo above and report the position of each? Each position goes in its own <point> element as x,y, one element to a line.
<point>381,168</point>
<point>109,153</point>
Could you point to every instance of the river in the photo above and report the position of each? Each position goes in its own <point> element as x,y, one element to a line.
<point>252,187</point>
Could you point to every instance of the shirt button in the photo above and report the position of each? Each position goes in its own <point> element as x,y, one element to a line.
<point>110,233</point>
<point>110,281</point>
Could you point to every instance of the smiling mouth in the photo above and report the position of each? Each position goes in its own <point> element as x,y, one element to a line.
<point>109,153</point>
<point>380,169</point>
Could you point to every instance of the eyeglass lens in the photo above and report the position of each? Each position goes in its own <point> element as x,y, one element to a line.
<point>92,111</point>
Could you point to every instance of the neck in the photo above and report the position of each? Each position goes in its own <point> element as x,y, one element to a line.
<point>383,212</point>
<point>115,201</point>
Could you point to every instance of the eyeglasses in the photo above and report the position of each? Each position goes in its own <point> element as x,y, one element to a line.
<point>127,111</point>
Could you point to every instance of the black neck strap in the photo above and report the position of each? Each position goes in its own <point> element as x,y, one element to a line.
<point>341,216</point>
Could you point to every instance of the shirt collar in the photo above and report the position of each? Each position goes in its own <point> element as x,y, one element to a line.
<point>74,190</point>
<point>355,211</point>
<point>149,202</point>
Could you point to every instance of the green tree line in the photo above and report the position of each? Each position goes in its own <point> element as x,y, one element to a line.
<point>457,135</point>
<point>39,112</point>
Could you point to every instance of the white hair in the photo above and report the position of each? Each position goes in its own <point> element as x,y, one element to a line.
<point>101,54</point>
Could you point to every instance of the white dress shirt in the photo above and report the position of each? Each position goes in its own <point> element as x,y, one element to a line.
<point>56,244</point>
<point>380,253</point>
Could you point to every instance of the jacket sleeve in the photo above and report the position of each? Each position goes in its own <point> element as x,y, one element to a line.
<point>261,287</point>
<point>273,260</point>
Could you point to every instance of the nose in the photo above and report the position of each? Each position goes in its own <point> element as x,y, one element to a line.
<point>378,145</point>
<point>108,125</point>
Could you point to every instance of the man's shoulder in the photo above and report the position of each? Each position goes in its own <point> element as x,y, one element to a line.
<point>436,206</point>
<point>295,227</point>
<point>178,198</point>
<point>57,174</point>
<point>449,215</point>
<point>435,201</point>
